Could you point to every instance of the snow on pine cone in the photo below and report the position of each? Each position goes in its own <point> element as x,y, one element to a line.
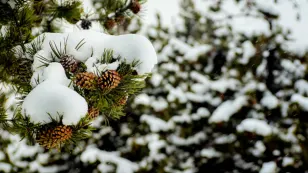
<point>86,80</point>
<point>109,79</point>
<point>54,137</point>
<point>69,63</point>
<point>93,113</point>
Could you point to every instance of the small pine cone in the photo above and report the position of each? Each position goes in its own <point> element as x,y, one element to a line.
<point>109,79</point>
<point>135,7</point>
<point>54,137</point>
<point>123,101</point>
<point>85,24</point>
<point>86,80</point>
<point>93,113</point>
<point>120,19</point>
<point>110,23</point>
<point>69,63</point>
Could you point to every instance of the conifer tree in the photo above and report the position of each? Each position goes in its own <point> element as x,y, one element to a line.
<point>63,87</point>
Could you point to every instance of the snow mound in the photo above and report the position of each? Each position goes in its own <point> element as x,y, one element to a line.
<point>53,72</point>
<point>52,99</point>
<point>130,47</point>
<point>259,127</point>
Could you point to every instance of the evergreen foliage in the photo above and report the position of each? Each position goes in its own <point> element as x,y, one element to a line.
<point>18,21</point>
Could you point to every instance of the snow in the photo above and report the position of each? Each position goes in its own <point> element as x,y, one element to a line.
<point>248,52</point>
<point>143,99</point>
<point>92,154</point>
<point>227,109</point>
<point>201,113</point>
<point>194,139</point>
<point>269,167</point>
<point>301,100</point>
<point>160,104</point>
<point>156,124</point>
<point>54,100</point>
<point>221,85</point>
<point>223,139</point>
<point>98,68</point>
<point>301,86</point>
<point>156,79</point>
<point>209,153</point>
<point>2,156</point>
<point>130,47</point>
<point>194,53</point>
<point>269,101</point>
<point>53,72</point>
<point>259,127</point>
<point>5,167</point>
<point>259,149</point>
<point>287,161</point>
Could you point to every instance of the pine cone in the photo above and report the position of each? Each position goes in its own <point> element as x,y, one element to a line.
<point>93,112</point>
<point>120,19</point>
<point>53,137</point>
<point>69,63</point>
<point>123,101</point>
<point>109,79</point>
<point>110,23</point>
<point>135,7</point>
<point>86,80</point>
<point>85,24</point>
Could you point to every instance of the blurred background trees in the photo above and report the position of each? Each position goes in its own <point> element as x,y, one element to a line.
<point>220,100</point>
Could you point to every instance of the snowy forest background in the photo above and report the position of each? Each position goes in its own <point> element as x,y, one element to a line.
<point>230,94</point>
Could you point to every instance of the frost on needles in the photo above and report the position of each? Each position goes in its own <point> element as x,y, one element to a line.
<point>77,77</point>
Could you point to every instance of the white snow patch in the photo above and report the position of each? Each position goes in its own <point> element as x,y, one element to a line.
<point>195,139</point>
<point>194,53</point>
<point>227,109</point>
<point>259,149</point>
<point>269,167</point>
<point>156,124</point>
<point>248,52</point>
<point>156,79</point>
<point>54,100</point>
<point>259,127</point>
<point>301,86</point>
<point>53,72</point>
<point>269,101</point>
<point>5,167</point>
<point>287,161</point>
<point>160,104</point>
<point>223,84</point>
<point>223,139</point>
<point>209,153</point>
<point>142,99</point>
<point>130,47</point>
<point>301,100</point>
<point>92,154</point>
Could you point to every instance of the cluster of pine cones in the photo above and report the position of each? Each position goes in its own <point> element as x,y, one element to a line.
<point>53,137</point>
<point>87,80</point>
